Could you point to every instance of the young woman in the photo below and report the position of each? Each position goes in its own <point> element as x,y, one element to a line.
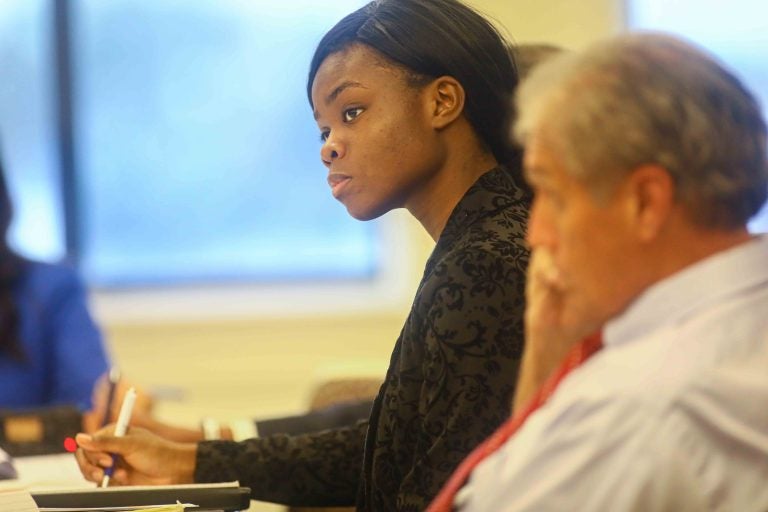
<point>410,100</point>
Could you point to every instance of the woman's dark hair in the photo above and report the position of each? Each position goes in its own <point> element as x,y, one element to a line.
<point>10,268</point>
<point>433,38</point>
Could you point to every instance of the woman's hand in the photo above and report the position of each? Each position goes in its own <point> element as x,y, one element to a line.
<point>144,458</point>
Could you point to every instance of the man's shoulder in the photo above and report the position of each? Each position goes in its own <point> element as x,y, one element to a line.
<point>653,390</point>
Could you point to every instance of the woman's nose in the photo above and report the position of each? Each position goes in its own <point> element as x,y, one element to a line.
<point>332,150</point>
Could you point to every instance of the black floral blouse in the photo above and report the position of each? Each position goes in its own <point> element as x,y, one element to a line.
<point>448,386</point>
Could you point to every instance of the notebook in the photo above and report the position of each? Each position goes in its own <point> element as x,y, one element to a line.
<point>225,496</point>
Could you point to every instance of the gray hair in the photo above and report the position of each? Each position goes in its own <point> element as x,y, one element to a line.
<point>653,99</point>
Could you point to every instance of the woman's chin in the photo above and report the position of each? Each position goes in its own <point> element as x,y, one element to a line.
<point>368,212</point>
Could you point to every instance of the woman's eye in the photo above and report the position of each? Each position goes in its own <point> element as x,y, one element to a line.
<point>351,114</point>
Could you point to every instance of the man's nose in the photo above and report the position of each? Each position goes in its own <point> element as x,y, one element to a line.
<point>540,231</point>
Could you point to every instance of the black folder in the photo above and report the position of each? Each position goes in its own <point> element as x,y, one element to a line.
<point>228,497</point>
<point>38,431</point>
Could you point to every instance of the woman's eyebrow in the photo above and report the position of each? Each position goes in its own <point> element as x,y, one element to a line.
<point>338,90</point>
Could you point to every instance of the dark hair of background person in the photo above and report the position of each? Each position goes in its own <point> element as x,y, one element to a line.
<point>10,268</point>
<point>434,38</point>
<point>529,55</point>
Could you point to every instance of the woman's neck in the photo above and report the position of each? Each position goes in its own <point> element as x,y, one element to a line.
<point>434,204</point>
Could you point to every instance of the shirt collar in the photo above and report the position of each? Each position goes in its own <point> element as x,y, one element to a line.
<point>674,298</point>
<point>495,190</point>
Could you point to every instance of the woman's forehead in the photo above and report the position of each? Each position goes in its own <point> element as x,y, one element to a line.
<point>357,64</point>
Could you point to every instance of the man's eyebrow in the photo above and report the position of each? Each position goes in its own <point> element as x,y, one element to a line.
<point>338,90</point>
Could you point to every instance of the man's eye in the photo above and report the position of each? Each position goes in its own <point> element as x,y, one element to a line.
<point>324,135</point>
<point>351,114</point>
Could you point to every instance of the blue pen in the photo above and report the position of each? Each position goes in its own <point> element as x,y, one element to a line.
<point>122,425</point>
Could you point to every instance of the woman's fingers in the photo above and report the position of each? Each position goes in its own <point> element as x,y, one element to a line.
<point>91,452</point>
<point>103,442</point>
<point>94,454</point>
<point>120,477</point>
<point>90,468</point>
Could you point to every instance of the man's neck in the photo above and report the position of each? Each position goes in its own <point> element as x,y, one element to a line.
<point>690,244</point>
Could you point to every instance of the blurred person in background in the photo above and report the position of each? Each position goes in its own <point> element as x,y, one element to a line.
<point>52,353</point>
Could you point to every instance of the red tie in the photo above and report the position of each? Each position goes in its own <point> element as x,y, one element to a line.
<point>443,502</point>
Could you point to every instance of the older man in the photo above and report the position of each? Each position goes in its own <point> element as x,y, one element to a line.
<point>647,158</point>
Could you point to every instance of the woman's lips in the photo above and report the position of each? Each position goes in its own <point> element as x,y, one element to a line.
<point>337,183</point>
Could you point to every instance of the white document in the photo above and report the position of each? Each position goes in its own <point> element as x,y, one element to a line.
<point>49,472</point>
<point>178,507</point>
<point>14,497</point>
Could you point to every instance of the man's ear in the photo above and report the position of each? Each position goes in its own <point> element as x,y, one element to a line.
<point>447,101</point>
<point>652,200</point>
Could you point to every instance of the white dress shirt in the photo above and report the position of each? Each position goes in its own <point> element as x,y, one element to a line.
<point>672,414</point>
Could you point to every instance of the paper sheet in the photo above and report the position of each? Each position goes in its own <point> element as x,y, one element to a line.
<point>178,507</point>
<point>50,472</point>
<point>15,498</point>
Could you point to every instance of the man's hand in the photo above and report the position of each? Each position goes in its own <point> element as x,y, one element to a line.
<point>144,458</point>
<point>548,336</point>
<point>546,327</point>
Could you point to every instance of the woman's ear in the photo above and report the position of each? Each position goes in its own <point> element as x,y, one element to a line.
<point>447,100</point>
